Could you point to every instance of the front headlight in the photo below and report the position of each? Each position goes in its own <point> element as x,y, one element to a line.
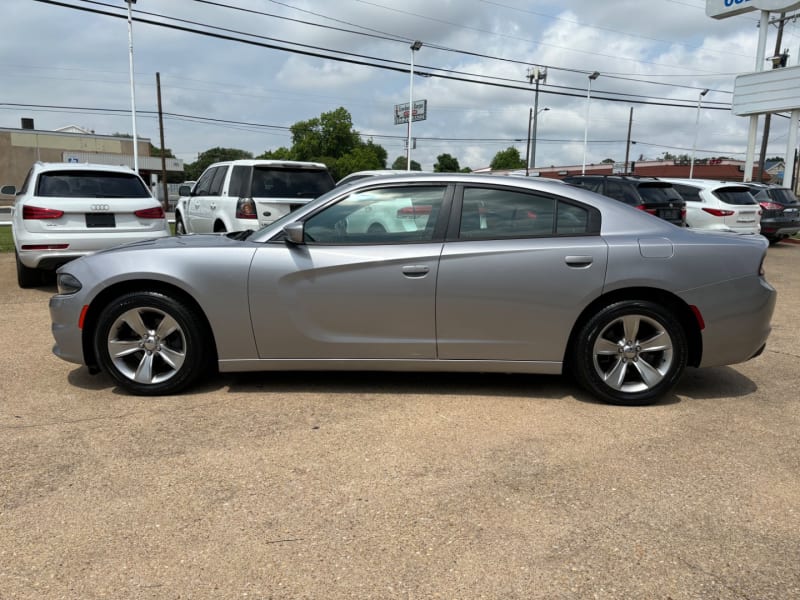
<point>67,284</point>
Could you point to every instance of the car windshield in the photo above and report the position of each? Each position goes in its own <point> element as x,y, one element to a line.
<point>659,192</point>
<point>90,184</point>
<point>739,195</point>
<point>271,182</point>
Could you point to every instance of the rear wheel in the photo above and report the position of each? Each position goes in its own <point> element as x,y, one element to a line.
<point>27,277</point>
<point>631,353</point>
<point>151,343</point>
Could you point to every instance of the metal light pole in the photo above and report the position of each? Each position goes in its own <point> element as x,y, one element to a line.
<point>592,77</point>
<point>133,92</point>
<point>536,74</point>
<point>696,127</point>
<point>414,47</point>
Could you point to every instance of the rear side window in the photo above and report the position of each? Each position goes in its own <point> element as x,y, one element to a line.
<point>783,196</point>
<point>658,192</point>
<point>622,192</point>
<point>688,192</point>
<point>91,184</point>
<point>735,195</point>
<point>489,213</point>
<point>280,182</point>
<point>240,175</point>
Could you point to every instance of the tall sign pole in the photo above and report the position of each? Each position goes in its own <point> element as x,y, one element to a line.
<point>133,89</point>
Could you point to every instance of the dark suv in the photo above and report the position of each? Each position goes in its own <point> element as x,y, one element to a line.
<point>780,211</point>
<point>645,193</point>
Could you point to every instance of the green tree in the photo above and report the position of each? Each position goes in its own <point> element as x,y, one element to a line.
<point>204,159</point>
<point>156,151</point>
<point>608,161</point>
<point>282,153</point>
<point>331,139</point>
<point>507,159</point>
<point>401,162</point>
<point>445,163</point>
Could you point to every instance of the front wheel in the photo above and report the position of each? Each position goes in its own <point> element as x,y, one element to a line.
<point>151,344</point>
<point>180,228</point>
<point>630,353</point>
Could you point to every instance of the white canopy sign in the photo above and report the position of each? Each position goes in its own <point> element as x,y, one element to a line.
<point>721,9</point>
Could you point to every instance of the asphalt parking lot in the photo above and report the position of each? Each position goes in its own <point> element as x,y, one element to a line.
<point>397,485</point>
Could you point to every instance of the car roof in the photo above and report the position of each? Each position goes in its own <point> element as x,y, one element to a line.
<point>706,184</point>
<point>256,162</point>
<point>69,166</point>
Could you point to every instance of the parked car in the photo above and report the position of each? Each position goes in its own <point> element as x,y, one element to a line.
<point>508,274</point>
<point>241,195</point>
<point>645,193</point>
<point>780,211</point>
<point>719,205</point>
<point>373,173</point>
<point>67,210</point>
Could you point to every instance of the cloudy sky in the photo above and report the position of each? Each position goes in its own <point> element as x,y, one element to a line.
<point>239,73</point>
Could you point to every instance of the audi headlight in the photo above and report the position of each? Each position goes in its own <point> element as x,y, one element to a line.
<point>67,284</point>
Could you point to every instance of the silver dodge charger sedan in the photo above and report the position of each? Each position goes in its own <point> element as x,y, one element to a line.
<point>473,273</point>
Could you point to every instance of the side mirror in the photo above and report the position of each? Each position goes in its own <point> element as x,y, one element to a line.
<point>8,190</point>
<point>185,190</point>
<point>295,233</point>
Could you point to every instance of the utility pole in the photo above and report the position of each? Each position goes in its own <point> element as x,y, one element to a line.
<point>628,146</point>
<point>165,188</point>
<point>768,116</point>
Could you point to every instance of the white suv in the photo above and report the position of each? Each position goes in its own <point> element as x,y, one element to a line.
<point>248,194</point>
<point>66,210</point>
<point>718,205</point>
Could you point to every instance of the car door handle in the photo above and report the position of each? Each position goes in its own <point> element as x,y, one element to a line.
<point>579,262</point>
<point>416,270</point>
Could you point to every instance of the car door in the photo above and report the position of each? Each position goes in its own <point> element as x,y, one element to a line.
<point>349,293</point>
<point>515,273</point>
<point>197,205</point>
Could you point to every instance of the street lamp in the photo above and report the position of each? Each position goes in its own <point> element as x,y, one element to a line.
<point>133,92</point>
<point>536,74</point>
<point>414,47</point>
<point>696,128</point>
<point>592,77</point>
<point>531,119</point>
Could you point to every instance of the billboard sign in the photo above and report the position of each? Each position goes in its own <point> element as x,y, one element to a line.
<point>420,112</point>
<point>721,9</point>
<point>770,91</point>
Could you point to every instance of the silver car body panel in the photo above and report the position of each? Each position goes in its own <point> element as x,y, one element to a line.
<point>498,305</point>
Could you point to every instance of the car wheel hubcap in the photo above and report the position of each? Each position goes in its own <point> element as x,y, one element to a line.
<point>147,345</point>
<point>633,353</point>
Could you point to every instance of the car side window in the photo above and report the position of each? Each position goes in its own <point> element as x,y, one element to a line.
<point>492,213</point>
<point>389,215</point>
<point>216,183</point>
<point>688,192</point>
<point>203,186</point>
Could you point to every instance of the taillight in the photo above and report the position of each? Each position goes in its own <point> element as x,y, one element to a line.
<point>246,209</point>
<point>652,211</point>
<point>771,206</point>
<point>150,213</point>
<point>409,212</point>
<point>719,213</point>
<point>35,212</point>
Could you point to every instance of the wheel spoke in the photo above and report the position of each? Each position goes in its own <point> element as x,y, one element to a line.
<point>166,327</point>
<point>659,342</point>
<point>650,375</point>
<point>122,348</point>
<point>144,372</point>
<point>172,357</point>
<point>133,319</point>
<point>616,376</point>
<point>606,347</point>
<point>631,325</point>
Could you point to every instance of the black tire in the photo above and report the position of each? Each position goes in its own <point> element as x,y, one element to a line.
<point>180,228</point>
<point>152,344</point>
<point>27,277</point>
<point>630,353</point>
